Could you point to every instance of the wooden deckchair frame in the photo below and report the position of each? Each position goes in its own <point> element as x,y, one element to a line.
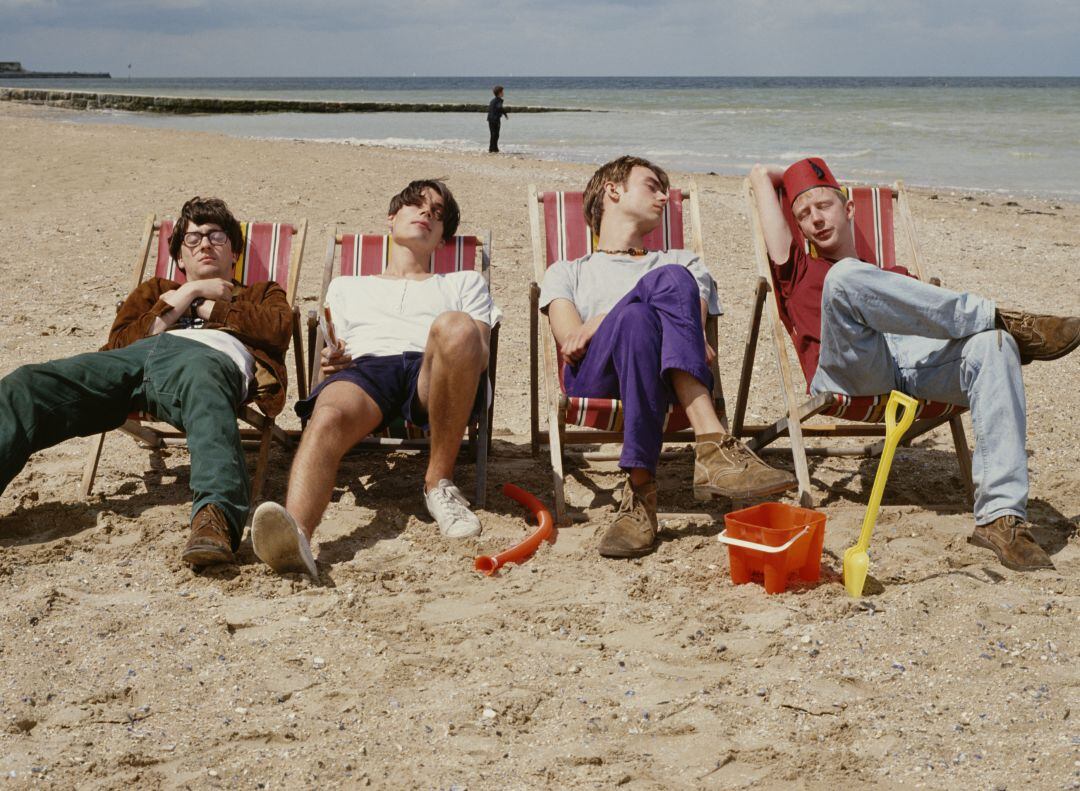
<point>478,438</point>
<point>800,407</point>
<point>556,435</point>
<point>155,434</point>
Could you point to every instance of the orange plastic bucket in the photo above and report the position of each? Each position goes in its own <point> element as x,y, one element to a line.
<point>775,540</point>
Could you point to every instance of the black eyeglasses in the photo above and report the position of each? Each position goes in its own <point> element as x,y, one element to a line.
<point>193,239</point>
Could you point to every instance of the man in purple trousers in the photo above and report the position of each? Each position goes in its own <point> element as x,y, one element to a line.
<point>630,325</point>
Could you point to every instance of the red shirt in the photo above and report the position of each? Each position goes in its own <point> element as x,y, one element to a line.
<point>799,283</point>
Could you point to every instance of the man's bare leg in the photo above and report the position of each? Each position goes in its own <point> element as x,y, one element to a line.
<point>281,537</point>
<point>696,400</point>
<point>344,414</point>
<point>454,358</point>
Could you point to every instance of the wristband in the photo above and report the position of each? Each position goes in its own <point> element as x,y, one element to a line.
<point>195,305</point>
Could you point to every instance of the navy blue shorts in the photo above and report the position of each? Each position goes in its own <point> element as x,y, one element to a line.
<point>390,381</point>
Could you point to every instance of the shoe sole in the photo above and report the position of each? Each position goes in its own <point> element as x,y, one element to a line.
<point>279,543</point>
<point>705,493</point>
<point>982,543</point>
<point>471,533</point>
<point>627,554</point>
<point>199,556</point>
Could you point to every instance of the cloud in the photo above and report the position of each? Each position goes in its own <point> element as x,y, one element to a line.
<point>605,37</point>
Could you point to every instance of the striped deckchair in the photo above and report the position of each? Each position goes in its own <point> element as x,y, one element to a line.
<point>559,232</point>
<point>368,254</point>
<point>272,251</point>
<point>873,227</point>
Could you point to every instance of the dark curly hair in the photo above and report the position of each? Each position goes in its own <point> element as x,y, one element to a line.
<point>200,211</point>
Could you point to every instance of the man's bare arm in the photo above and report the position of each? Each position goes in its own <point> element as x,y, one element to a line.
<point>774,226</point>
<point>571,333</point>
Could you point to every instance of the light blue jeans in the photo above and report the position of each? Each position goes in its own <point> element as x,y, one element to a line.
<point>881,331</point>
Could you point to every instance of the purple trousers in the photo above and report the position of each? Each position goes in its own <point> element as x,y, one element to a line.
<point>654,329</point>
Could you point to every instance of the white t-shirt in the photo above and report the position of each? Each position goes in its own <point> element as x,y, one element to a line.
<point>226,343</point>
<point>594,283</point>
<point>379,316</point>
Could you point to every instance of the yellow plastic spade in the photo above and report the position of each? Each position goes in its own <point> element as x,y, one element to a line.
<point>856,558</point>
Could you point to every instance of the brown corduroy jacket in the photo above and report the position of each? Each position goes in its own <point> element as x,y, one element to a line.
<point>258,316</point>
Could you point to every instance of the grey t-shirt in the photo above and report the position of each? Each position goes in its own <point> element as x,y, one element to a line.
<point>596,282</point>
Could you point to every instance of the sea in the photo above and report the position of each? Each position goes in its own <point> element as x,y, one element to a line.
<point>1012,136</point>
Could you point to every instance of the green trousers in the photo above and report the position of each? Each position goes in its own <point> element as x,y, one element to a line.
<point>183,382</point>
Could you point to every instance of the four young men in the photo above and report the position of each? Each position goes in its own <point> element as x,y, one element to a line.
<point>628,324</point>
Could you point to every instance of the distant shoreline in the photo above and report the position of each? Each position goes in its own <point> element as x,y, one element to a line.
<point>79,75</point>
<point>193,105</point>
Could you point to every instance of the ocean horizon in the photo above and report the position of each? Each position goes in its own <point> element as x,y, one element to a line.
<point>1006,135</point>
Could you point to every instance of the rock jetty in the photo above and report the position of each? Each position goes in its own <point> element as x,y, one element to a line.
<point>195,105</point>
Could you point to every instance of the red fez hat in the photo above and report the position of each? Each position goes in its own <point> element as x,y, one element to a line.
<point>807,174</point>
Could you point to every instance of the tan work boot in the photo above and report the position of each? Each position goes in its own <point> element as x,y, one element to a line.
<point>633,533</point>
<point>1009,538</point>
<point>1040,337</point>
<point>724,467</point>
<point>210,541</point>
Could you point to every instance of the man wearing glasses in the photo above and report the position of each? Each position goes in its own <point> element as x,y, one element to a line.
<point>189,354</point>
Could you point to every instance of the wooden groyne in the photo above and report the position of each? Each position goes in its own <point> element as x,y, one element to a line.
<point>200,105</point>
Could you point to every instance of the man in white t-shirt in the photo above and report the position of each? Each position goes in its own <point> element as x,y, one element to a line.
<point>410,344</point>
<point>629,325</point>
<point>190,354</point>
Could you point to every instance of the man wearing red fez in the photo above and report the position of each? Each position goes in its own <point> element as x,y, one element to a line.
<point>860,330</point>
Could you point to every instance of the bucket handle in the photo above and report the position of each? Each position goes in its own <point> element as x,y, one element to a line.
<point>724,538</point>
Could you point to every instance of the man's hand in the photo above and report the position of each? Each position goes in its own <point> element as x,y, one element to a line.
<point>334,358</point>
<point>576,342</point>
<point>215,289</point>
<point>710,353</point>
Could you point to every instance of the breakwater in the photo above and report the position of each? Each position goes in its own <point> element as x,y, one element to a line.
<point>196,105</point>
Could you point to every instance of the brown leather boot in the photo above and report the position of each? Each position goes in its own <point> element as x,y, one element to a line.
<point>633,533</point>
<point>1009,538</point>
<point>210,541</point>
<point>724,467</point>
<point>1040,337</point>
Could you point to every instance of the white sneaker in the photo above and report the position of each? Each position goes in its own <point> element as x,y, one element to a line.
<point>448,506</point>
<point>280,543</point>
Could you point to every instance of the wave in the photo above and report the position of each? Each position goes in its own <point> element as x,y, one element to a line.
<point>444,144</point>
<point>706,111</point>
<point>791,156</point>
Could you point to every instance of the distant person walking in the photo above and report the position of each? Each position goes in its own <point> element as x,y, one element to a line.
<point>495,115</point>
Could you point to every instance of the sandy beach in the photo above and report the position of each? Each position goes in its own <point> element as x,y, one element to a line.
<point>404,668</point>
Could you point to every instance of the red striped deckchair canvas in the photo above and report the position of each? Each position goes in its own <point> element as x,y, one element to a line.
<point>876,212</point>
<point>872,229</point>
<point>569,238</point>
<point>265,255</point>
<point>365,254</point>
<point>368,254</point>
<point>560,232</point>
<point>269,253</point>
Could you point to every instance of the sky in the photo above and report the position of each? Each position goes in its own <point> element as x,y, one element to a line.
<point>360,38</point>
